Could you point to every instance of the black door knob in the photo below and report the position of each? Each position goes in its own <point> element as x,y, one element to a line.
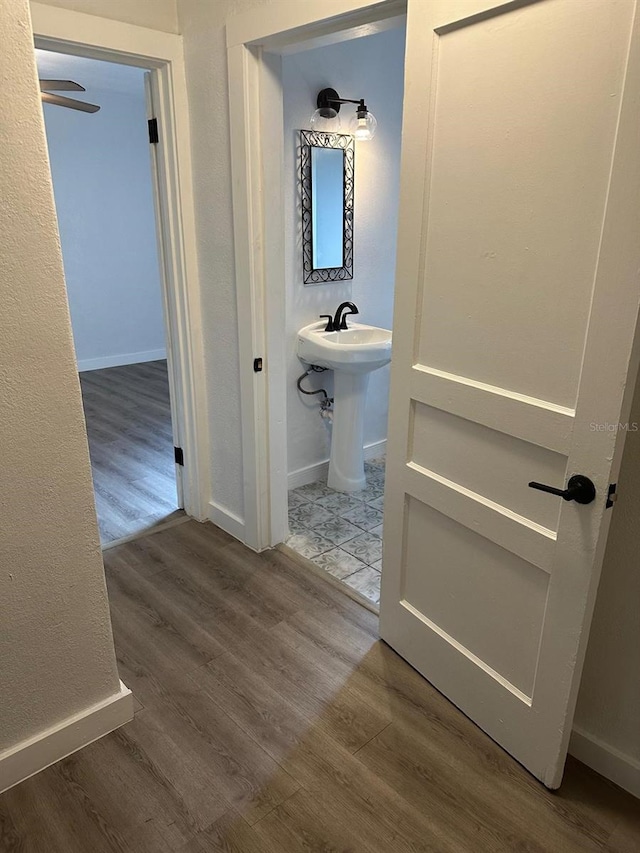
<point>579,489</point>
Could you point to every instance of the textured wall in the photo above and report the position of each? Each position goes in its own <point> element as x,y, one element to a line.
<point>102,183</point>
<point>156,14</point>
<point>203,28</point>
<point>609,700</point>
<point>372,67</point>
<point>56,650</point>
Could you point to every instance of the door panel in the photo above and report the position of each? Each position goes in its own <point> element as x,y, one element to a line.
<point>514,337</point>
<point>509,157</point>
<point>492,462</point>
<point>473,584</point>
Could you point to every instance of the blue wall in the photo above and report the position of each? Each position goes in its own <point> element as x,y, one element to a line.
<point>102,183</point>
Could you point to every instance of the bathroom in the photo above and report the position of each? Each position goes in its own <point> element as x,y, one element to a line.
<point>338,532</point>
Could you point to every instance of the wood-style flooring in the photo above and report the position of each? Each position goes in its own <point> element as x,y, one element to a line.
<point>128,417</point>
<point>271,719</point>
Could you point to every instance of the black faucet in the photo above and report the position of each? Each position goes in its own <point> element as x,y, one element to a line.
<point>340,319</point>
<point>329,319</point>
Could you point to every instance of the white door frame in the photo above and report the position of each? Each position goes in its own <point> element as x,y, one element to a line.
<point>255,42</point>
<point>162,53</point>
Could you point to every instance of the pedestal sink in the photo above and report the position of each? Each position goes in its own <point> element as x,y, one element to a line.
<point>352,354</point>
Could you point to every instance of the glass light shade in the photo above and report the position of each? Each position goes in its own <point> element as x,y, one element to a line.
<point>325,120</point>
<point>363,125</point>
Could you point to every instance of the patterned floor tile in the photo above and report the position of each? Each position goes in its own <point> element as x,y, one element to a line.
<point>364,516</point>
<point>365,547</point>
<point>369,494</point>
<point>341,533</point>
<point>336,530</point>
<point>376,478</point>
<point>308,515</point>
<point>338,502</point>
<point>309,544</point>
<point>338,563</point>
<point>296,526</point>
<point>367,583</point>
<point>297,499</point>
<point>313,491</point>
<point>378,503</point>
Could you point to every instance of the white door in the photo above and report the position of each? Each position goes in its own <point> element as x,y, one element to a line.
<point>516,302</point>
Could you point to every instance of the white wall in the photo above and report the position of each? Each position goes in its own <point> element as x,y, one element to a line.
<point>608,709</point>
<point>371,67</point>
<point>157,14</point>
<point>102,184</point>
<point>56,649</point>
<point>202,25</point>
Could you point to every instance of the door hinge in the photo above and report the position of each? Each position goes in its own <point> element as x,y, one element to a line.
<point>154,138</point>
<point>178,455</point>
<point>612,496</point>
<point>257,365</point>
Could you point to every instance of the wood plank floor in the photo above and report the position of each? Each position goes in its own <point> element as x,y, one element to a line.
<point>270,718</point>
<point>128,417</point>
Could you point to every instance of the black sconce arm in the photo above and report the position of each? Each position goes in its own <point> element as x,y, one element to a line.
<point>329,96</point>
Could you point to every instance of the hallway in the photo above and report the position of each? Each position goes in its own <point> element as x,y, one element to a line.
<point>270,719</point>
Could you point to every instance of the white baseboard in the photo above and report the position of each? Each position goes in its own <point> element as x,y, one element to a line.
<point>311,473</point>
<point>606,760</point>
<point>119,360</point>
<point>38,752</point>
<point>227,521</point>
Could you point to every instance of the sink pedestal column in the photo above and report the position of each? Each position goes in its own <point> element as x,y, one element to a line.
<point>346,465</point>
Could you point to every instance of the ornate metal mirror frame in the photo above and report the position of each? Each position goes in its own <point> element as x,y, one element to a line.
<point>315,139</point>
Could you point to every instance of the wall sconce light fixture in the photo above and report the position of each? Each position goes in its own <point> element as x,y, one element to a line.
<point>362,125</point>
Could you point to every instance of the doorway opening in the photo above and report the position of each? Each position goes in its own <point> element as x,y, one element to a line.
<point>276,422</point>
<point>179,420</point>
<point>102,176</point>
<point>334,514</point>
<point>102,179</point>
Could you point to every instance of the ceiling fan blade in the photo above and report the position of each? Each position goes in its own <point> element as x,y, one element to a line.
<point>61,101</point>
<point>61,86</point>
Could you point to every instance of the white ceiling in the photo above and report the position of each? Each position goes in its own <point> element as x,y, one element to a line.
<point>94,74</point>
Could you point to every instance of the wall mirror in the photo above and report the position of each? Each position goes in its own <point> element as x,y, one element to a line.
<point>326,172</point>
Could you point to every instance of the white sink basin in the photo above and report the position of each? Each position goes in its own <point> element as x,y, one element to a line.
<point>358,349</point>
<point>352,353</point>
